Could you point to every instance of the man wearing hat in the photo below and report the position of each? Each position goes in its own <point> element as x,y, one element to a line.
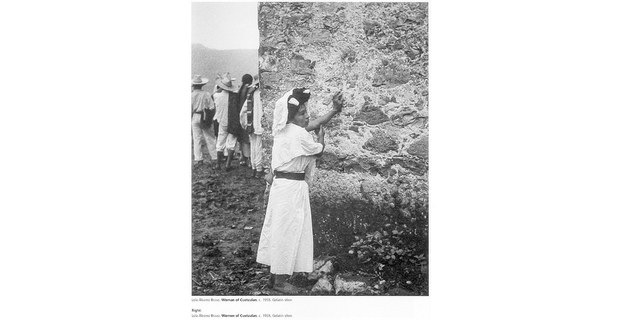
<point>226,139</point>
<point>201,102</point>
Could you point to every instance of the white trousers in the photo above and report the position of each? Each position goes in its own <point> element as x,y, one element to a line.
<point>225,140</point>
<point>198,134</point>
<point>245,149</point>
<point>256,151</point>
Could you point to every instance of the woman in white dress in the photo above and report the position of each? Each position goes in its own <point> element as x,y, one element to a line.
<point>286,242</point>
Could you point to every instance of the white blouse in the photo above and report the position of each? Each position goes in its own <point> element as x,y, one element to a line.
<point>298,164</point>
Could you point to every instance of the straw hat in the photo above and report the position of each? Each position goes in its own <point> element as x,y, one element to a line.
<point>225,82</point>
<point>199,80</point>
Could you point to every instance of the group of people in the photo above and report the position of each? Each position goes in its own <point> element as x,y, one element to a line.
<point>227,120</point>
<point>286,240</point>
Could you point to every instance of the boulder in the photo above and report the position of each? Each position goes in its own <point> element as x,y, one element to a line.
<point>327,268</point>
<point>371,114</point>
<point>348,55</point>
<point>391,76</point>
<point>267,63</point>
<point>314,275</point>
<point>318,37</point>
<point>322,268</point>
<point>322,286</point>
<point>371,165</point>
<point>301,65</point>
<point>270,79</point>
<point>331,47</point>
<point>351,284</point>
<point>419,147</point>
<point>297,19</point>
<point>412,53</point>
<point>383,100</point>
<point>417,165</point>
<point>381,142</point>
<point>370,27</point>
<point>328,160</point>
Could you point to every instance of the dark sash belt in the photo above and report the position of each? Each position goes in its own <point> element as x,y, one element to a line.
<point>290,175</point>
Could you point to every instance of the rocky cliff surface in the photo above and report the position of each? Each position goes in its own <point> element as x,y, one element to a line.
<point>376,54</point>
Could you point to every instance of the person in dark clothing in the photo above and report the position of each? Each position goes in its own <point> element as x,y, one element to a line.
<point>243,138</point>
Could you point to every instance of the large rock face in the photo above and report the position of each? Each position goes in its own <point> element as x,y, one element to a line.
<point>376,54</point>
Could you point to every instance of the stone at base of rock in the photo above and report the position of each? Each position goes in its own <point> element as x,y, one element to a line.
<point>321,267</point>
<point>323,286</point>
<point>327,268</point>
<point>350,285</point>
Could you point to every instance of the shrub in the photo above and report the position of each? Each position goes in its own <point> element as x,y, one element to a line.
<point>384,226</point>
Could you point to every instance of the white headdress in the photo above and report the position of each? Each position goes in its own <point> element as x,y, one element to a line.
<point>280,113</point>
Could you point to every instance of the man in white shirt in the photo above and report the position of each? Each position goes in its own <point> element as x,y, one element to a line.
<point>201,102</point>
<point>225,140</point>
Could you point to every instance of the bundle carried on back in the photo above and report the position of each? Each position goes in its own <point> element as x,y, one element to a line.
<point>249,129</point>
<point>234,126</point>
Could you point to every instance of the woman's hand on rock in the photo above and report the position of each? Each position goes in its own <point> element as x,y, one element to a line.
<point>338,101</point>
<point>321,131</point>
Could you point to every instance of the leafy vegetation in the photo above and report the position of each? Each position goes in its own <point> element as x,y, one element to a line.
<point>383,231</point>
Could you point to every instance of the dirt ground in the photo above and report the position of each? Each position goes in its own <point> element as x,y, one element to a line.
<point>227,217</point>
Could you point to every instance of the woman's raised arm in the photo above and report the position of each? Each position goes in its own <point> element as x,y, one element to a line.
<point>337,102</point>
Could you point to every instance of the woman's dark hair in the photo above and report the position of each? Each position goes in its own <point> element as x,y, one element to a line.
<point>300,96</point>
<point>247,79</point>
<point>197,86</point>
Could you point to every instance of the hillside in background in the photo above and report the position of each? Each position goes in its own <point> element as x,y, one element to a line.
<point>208,62</point>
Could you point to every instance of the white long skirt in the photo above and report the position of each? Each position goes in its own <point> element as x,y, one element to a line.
<point>286,239</point>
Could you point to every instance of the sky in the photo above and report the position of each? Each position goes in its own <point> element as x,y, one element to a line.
<point>225,25</point>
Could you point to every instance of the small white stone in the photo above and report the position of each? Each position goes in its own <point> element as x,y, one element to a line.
<point>343,285</point>
<point>323,285</point>
<point>327,268</point>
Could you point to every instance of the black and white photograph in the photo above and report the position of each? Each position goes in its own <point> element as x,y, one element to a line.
<point>341,160</point>
<point>310,148</point>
